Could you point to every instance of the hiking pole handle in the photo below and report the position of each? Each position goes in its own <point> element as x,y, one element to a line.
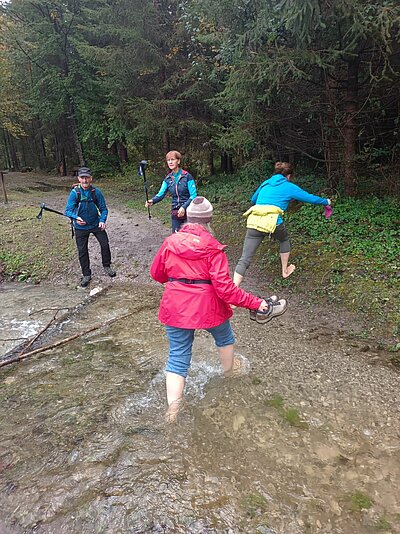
<point>40,214</point>
<point>142,172</point>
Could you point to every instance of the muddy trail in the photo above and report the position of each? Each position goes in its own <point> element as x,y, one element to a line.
<point>305,441</point>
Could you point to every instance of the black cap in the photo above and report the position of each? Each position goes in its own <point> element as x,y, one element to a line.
<point>84,171</point>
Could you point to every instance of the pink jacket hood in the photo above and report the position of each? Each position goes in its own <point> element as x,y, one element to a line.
<point>192,242</point>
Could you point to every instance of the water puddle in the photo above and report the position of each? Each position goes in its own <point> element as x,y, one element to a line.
<point>84,447</point>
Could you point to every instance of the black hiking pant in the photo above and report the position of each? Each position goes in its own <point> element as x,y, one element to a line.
<point>82,241</point>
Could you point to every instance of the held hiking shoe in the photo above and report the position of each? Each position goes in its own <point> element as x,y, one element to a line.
<point>271,299</point>
<point>85,280</point>
<point>110,271</point>
<point>275,309</point>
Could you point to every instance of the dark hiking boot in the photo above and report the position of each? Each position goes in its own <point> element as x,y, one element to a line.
<point>110,271</point>
<point>275,309</point>
<point>272,299</point>
<point>85,280</point>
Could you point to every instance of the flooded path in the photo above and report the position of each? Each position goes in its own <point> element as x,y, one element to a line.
<point>301,443</point>
<point>306,441</point>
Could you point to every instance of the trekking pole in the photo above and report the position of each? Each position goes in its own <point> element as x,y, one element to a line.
<point>44,207</point>
<point>142,172</point>
<point>2,173</point>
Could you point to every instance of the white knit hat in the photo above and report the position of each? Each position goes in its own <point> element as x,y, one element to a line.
<point>200,210</point>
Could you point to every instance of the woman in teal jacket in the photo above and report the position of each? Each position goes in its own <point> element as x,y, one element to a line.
<point>276,191</point>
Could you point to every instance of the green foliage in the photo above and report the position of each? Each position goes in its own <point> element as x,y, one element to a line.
<point>383,524</point>
<point>359,227</point>
<point>290,415</point>
<point>238,188</point>
<point>259,80</point>
<point>360,501</point>
<point>254,504</point>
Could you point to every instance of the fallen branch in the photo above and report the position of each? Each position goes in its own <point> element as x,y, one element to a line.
<point>32,341</point>
<point>64,341</point>
<point>46,309</point>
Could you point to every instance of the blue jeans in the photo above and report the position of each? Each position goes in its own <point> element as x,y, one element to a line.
<point>177,224</point>
<point>181,342</point>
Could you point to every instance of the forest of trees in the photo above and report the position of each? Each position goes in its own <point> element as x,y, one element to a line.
<point>102,82</point>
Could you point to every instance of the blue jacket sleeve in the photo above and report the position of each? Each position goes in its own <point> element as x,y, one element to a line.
<point>299,194</point>
<point>101,204</point>
<point>192,192</point>
<point>161,194</point>
<point>70,208</point>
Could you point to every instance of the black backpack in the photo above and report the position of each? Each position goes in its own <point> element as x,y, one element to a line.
<point>77,190</point>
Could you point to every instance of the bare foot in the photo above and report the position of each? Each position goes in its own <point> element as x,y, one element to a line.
<point>289,270</point>
<point>174,408</point>
<point>236,369</point>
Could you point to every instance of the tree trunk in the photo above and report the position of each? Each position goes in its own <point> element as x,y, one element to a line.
<point>211,167</point>
<point>350,126</point>
<point>14,163</point>
<point>166,140</point>
<point>224,162</point>
<point>6,151</point>
<point>230,164</point>
<point>74,129</point>
<point>329,133</point>
<point>122,152</point>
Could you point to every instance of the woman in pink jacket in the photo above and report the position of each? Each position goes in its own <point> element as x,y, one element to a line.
<point>198,293</point>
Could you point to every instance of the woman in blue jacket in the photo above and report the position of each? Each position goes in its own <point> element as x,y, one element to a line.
<point>180,185</point>
<point>276,192</point>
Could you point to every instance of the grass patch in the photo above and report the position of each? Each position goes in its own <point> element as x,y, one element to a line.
<point>33,250</point>
<point>290,415</point>
<point>254,504</point>
<point>359,501</point>
<point>276,402</point>
<point>383,524</point>
<point>256,381</point>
